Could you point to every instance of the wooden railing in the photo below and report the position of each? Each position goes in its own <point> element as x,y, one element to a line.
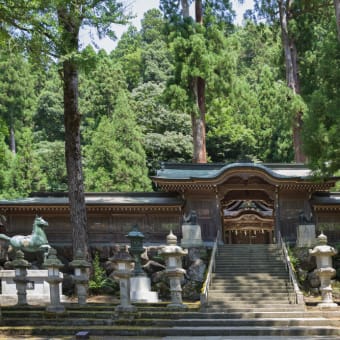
<point>204,297</point>
<point>298,294</point>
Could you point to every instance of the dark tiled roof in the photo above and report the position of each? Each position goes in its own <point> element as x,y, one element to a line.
<point>332,198</point>
<point>99,199</point>
<point>186,171</point>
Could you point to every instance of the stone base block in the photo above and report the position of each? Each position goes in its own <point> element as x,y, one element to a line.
<point>191,235</point>
<point>140,290</point>
<point>305,235</point>
<point>38,290</point>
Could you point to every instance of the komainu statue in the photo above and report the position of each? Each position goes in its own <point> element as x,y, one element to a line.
<point>35,242</point>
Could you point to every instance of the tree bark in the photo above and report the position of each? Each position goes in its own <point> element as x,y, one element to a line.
<point>74,160</point>
<point>337,16</point>
<point>199,132</point>
<point>78,216</point>
<point>292,76</point>
<point>198,123</point>
<point>185,8</point>
<point>12,139</point>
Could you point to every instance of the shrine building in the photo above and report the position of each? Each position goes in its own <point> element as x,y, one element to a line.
<point>245,202</point>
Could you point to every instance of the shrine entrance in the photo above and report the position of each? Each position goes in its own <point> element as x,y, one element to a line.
<point>247,221</point>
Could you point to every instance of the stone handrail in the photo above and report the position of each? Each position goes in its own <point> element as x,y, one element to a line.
<point>298,294</point>
<point>204,297</point>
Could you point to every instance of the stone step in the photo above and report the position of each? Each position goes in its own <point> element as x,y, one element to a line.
<point>250,296</point>
<point>180,331</point>
<point>240,303</point>
<point>188,331</point>
<point>249,262</point>
<point>181,322</point>
<point>258,294</point>
<point>240,271</point>
<point>286,322</point>
<point>238,276</point>
<point>247,268</point>
<point>244,281</point>
<point>244,309</point>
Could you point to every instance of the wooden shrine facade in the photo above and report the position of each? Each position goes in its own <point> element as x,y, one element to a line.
<point>246,202</point>
<point>249,202</point>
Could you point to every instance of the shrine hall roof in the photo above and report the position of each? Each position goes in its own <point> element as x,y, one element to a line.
<point>331,198</point>
<point>130,199</point>
<point>212,170</point>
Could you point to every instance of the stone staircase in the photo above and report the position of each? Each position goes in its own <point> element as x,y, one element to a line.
<point>157,321</point>
<point>250,296</point>
<point>251,277</point>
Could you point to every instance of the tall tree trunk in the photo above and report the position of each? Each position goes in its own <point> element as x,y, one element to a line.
<point>200,151</point>
<point>185,8</point>
<point>12,139</point>
<point>74,160</point>
<point>292,76</point>
<point>78,216</point>
<point>198,122</point>
<point>337,16</point>
<point>197,87</point>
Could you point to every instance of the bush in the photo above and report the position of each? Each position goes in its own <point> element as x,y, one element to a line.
<point>99,282</point>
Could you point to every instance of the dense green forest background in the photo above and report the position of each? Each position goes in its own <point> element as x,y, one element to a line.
<point>135,102</point>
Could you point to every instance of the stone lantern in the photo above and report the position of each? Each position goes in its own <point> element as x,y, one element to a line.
<point>53,264</point>
<point>20,265</point>
<point>123,263</point>
<point>81,276</point>
<point>325,270</point>
<point>140,284</point>
<point>173,258</point>
<point>136,249</point>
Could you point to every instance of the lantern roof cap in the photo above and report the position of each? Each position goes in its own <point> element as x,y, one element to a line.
<point>135,233</point>
<point>171,239</point>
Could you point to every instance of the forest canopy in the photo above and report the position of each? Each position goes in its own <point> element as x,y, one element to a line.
<point>138,103</point>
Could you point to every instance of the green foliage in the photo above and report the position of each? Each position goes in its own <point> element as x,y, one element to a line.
<point>294,260</point>
<point>51,159</point>
<point>115,159</point>
<point>49,116</point>
<point>167,132</point>
<point>24,176</point>
<point>98,93</point>
<point>136,102</point>
<point>99,282</point>
<point>129,54</point>
<point>321,135</point>
<point>17,98</point>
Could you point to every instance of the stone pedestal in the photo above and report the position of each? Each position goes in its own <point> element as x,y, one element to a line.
<point>175,276</point>
<point>20,277</point>
<point>141,290</point>
<point>37,288</point>
<point>52,263</point>
<point>81,277</point>
<point>305,235</point>
<point>192,236</point>
<point>325,275</point>
<point>123,263</point>
<point>21,280</point>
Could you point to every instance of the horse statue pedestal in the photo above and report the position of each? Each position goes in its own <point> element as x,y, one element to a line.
<point>38,290</point>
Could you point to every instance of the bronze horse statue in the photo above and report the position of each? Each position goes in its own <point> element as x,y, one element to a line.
<point>37,241</point>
